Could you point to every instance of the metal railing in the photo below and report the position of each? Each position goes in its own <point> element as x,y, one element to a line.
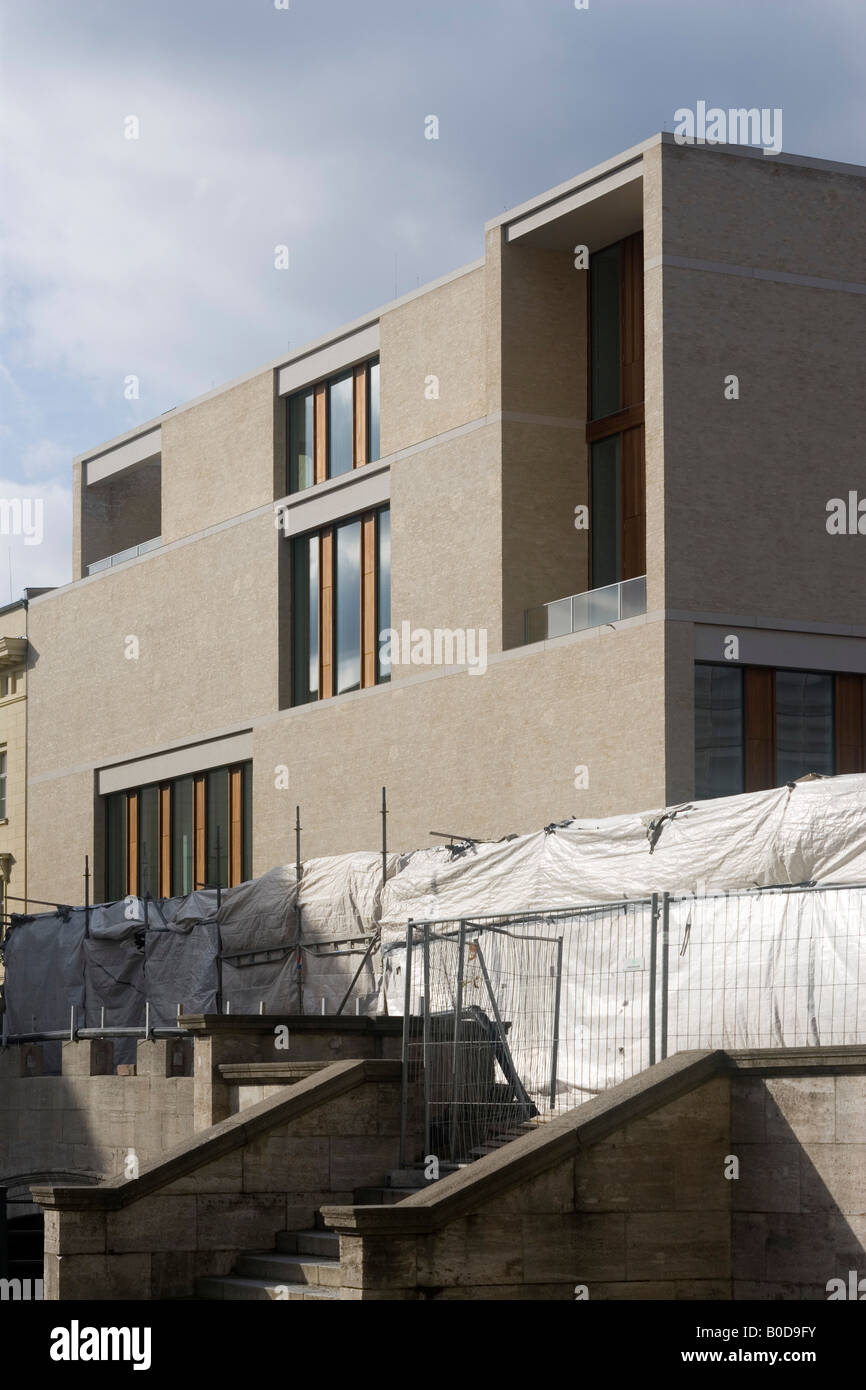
<point>516,1018</point>
<point>611,604</point>
<point>121,556</point>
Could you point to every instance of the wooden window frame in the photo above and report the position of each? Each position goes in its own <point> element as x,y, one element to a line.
<point>165,853</point>
<point>360,445</point>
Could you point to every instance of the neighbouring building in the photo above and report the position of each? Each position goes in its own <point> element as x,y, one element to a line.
<point>13,752</point>
<point>594,486</point>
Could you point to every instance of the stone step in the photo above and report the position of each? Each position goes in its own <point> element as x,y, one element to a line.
<point>268,1265</point>
<point>234,1288</point>
<point>325,1244</point>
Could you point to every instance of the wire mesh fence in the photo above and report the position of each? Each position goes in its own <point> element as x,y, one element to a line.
<point>514,1019</point>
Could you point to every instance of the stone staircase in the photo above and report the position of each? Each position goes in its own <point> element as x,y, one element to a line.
<point>305,1265</point>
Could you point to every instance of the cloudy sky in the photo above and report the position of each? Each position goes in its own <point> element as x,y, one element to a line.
<point>304,126</point>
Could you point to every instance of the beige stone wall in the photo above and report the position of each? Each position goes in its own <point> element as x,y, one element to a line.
<point>799,1204</point>
<point>87,1125</point>
<point>439,334</point>
<point>219,458</point>
<point>205,616</point>
<point>446,546</point>
<point>544,454</point>
<point>747,482</point>
<point>495,753</point>
<point>750,211</point>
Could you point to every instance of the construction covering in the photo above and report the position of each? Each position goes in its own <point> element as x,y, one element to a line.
<point>266,940</point>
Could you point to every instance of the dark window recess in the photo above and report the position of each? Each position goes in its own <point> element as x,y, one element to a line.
<point>804,725</point>
<point>719,742</point>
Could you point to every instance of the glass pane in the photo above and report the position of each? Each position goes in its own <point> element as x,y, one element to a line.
<point>606,515</point>
<point>604,274</point>
<point>148,842</point>
<point>305,619</point>
<point>719,743</point>
<point>383,589</point>
<point>182,837</point>
<point>603,605</point>
<point>372,412</point>
<point>247,821</point>
<point>347,599</point>
<point>559,618</point>
<point>115,846</point>
<point>217,827</point>
<point>340,425</point>
<point>2,786</point>
<point>804,725</point>
<point>300,441</point>
<point>633,597</point>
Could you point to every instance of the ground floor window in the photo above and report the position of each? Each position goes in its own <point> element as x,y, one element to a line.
<point>759,727</point>
<point>169,838</point>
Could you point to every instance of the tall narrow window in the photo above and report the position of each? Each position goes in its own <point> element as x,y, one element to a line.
<point>347,624</point>
<point>305,621</point>
<point>115,846</point>
<point>341,433</point>
<point>604,289</point>
<point>719,739</point>
<point>373,446</point>
<point>301,441</point>
<point>383,591</point>
<point>183,837</point>
<point>148,842</point>
<point>217,827</point>
<point>3,785</point>
<point>804,725</point>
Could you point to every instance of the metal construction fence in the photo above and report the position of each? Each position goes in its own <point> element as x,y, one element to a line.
<point>517,1018</point>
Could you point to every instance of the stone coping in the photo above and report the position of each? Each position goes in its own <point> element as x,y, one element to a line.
<point>266,1072</point>
<point>462,1192</point>
<point>223,1138</point>
<point>300,1023</point>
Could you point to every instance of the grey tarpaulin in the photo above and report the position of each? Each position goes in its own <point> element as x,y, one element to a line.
<point>259,934</point>
<point>45,977</point>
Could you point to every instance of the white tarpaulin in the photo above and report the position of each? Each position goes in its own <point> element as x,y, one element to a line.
<point>808,832</point>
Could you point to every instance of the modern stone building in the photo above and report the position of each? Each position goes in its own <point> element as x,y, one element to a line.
<point>600,463</point>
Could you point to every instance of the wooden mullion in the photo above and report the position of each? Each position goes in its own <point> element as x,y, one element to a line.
<point>368,599</point>
<point>199,823</point>
<point>132,843</point>
<point>850,723</point>
<point>235,827</point>
<point>320,427</point>
<point>165,841</point>
<point>360,414</point>
<point>326,615</point>
<point>623,420</point>
<point>759,719</point>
